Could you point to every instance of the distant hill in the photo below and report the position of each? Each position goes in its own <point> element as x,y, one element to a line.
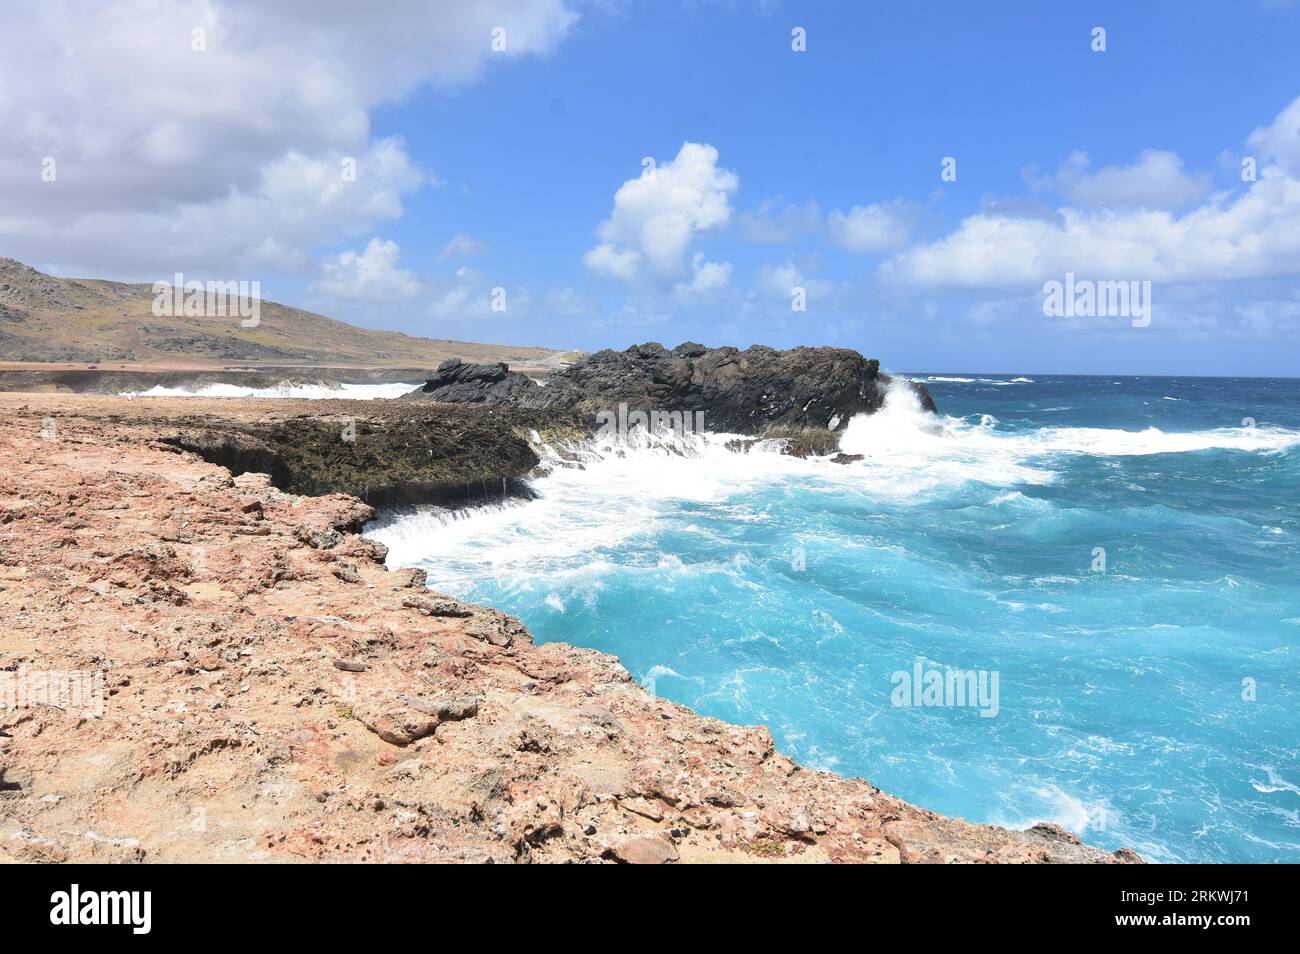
<point>90,321</point>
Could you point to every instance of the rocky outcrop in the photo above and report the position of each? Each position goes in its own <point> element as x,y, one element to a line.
<point>746,392</point>
<point>271,692</point>
<point>385,453</point>
<point>457,382</point>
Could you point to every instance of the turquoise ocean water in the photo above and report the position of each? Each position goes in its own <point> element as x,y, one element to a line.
<point>1153,701</point>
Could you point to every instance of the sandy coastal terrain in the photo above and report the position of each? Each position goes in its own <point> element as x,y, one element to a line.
<point>273,693</point>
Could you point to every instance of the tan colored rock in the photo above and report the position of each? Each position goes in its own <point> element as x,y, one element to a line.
<point>645,850</point>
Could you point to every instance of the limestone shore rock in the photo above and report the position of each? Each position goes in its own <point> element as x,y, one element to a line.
<point>208,608</point>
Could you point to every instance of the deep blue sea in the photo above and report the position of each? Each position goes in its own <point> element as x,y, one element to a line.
<point>1123,553</point>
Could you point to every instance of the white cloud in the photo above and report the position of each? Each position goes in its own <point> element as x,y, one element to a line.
<point>607,259</point>
<point>778,282</point>
<point>775,223</point>
<point>371,275</point>
<point>873,229</point>
<point>657,215</point>
<point>1280,140</point>
<point>297,202</point>
<point>462,246</point>
<point>168,157</point>
<point>1155,181</point>
<point>1253,233</point>
<point>1270,316</point>
<point>707,278</point>
<point>470,294</point>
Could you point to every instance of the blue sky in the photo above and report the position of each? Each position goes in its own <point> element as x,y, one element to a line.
<point>775,169</point>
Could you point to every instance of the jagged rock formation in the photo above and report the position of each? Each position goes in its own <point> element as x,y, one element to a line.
<point>459,382</point>
<point>746,392</point>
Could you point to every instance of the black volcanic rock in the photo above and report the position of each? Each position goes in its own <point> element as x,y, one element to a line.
<point>748,392</point>
<point>385,452</point>
<point>457,382</point>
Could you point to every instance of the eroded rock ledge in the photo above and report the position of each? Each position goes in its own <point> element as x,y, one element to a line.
<point>275,694</point>
<point>385,453</point>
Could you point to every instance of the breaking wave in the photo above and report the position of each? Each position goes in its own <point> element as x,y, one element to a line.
<point>908,440</point>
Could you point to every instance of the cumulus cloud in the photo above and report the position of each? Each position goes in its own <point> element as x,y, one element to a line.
<point>213,150</point>
<point>873,229</point>
<point>370,275</point>
<point>1156,180</point>
<point>1280,140</point>
<point>707,278</point>
<point>1251,233</point>
<point>657,215</point>
<point>608,259</point>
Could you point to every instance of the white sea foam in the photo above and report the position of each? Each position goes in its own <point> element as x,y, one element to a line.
<point>1275,784</point>
<point>909,452</point>
<point>362,392</point>
<point>1054,805</point>
<point>904,433</point>
<point>944,379</point>
<point>581,511</point>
